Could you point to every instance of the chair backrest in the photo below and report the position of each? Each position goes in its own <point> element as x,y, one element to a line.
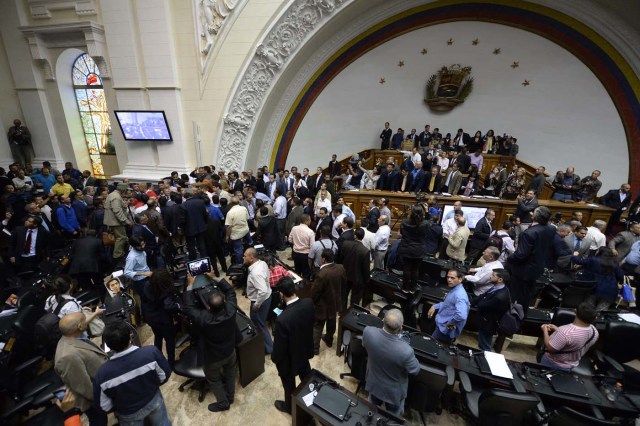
<point>357,358</point>
<point>617,338</point>
<point>576,293</point>
<point>565,416</point>
<point>425,388</point>
<point>502,407</point>
<point>562,316</point>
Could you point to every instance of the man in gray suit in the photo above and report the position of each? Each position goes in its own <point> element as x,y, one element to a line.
<point>76,362</point>
<point>576,242</point>
<point>389,364</point>
<point>622,242</point>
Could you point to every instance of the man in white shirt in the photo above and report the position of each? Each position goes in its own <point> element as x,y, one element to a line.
<point>322,201</point>
<point>416,157</point>
<point>280,212</point>
<point>450,225</point>
<point>237,228</point>
<point>456,206</point>
<point>481,278</point>
<point>259,293</point>
<point>508,246</point>
<point>302,237</point>
<point>338,216</point>
<point>346,209</point>
<point>595,235</point>
<point>443,161</point>
<point>381,242</point>
<point>384,210</point>
<point>22,182</point>
<point>369,237</point>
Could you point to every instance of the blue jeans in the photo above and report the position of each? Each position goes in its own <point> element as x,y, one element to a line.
<point>259,317</point>
<point>396,410</point>
<point>560,197</point>
<point>485,340</point>
<point>547,363</point>
<point>238,246</point>
<point>155,412</point>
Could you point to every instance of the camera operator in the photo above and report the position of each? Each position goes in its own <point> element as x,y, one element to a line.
<point>220,334</point>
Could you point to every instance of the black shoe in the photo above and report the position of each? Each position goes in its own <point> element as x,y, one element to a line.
<point>326,340</point>
<point>315,353</point>
<point>230,400</point>
<point>218,406</point>
<point>282,406</point>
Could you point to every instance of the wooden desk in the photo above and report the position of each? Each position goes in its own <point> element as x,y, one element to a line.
<point>358,201</point>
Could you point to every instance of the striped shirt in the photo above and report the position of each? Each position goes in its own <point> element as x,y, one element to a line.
<point>571,339</point>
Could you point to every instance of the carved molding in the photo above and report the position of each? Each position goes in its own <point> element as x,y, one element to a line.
<point>294,27</point>
<point>41,9</point>
<point>42,38</point>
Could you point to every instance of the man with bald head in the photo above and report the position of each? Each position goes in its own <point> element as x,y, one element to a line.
<point>76,362</point>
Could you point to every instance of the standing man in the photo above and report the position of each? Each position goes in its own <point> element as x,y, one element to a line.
<point>481,234</point>
<point>566,184</point>
<point>356,261</point>
<point>280,212</point>
<point>76,362</point>
<point>67,219</point>
<point>29,245</point>
<point>389,363</point>
<point>116,217</point>
<point>302,237</point>
<point>129,382</point>
<point>293,345</point>
<point>524,211</point>
<point>385,137</point>
<point>237,228</point>
<point>452,311</point>
<point>20,142</point>
<point>259,293</point>
<point>619,200</point>
<point>458,240</point>
<point>326,291</point>
<point>381,242</point>
<point>589,187</point>
<point>528,261</point>
<point>193,222</point>
<point>491,307</point>
<point>537,182</point>
<point>220,332</point>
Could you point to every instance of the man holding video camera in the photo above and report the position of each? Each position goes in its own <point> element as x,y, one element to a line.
<point>220,334</point>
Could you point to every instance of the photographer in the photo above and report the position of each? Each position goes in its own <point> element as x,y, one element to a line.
<point>20,142</point>
<point>220,334</point>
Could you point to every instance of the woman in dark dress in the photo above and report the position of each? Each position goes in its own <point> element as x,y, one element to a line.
<point>412,247</point>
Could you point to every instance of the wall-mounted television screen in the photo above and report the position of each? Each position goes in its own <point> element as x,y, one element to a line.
<point>472,214</point>
<point>144,125</point>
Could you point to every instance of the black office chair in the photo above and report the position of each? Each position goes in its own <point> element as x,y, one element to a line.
<point>617,350</point>
<point>563,316</point>
<point>565,416</point>
<point>427,388</point>
<point>188,366</point>
<point>357,361</point>
<point>576,293</point>
<point>496,407</point>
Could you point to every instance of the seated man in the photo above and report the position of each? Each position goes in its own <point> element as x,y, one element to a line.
<point>568,343</point>
<point>481,278</point>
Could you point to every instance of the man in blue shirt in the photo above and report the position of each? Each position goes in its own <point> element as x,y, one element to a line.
<point>67,218</point>
<point>453,311</point>
<point>45,178</point>
<point>129,383</point>
<point>631,263</point>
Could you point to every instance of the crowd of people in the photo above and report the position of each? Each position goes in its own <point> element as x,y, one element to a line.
<point>223,215</point>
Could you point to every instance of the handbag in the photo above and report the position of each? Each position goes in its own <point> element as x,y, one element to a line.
<point>108,238</point>
<point>96,326</point>
<point>627,294</point>
<point>511,320</point>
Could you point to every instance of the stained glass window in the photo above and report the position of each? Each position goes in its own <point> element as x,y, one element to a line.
<point>94,113</point>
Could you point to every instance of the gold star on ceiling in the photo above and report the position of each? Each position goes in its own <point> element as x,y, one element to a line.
<point>382,80</point>
<point>515,64</point>
<point>424,51</point>
<point>526,83</point>
<point>401,63</point>
<point>497,51</point>
<point>475,42</point>
<point>450,42</point>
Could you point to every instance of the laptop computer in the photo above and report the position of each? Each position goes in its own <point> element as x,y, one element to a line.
<point>333,402</point>
<point>425,345</point>
<point>369,320</point>
<point>569,385</point>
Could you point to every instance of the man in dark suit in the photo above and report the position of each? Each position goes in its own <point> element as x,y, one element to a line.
<point>461,139</point>
<point>387,178</point>
<point>334,167</point>
<point>309,182</point>
<point>464,161</point>
<point>491,307</point>
<point>292,340</point>
<point>326,294</point>
<point>404,181</point>
<point>528,261</point>
<point>619,200</point>
<point>524,211</point>
<point>346,235</point>
<point>417,177</point>
<point>576,242</point>
<point>235,184</point>
<point>453,179</point>
<point>481,234</point>
<point>151,247</point>
<point>385,137</point>
<point>323,219</point>
<point>356,260</point>
<point>194,218</point>
<point>425,136</point>
<point>29,245</point>
<point>87,261</point>
<point>432,181</point>
<point>318,180</point>
<point>373,214</point>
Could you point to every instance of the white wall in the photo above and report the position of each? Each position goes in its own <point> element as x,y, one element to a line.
<point>565,117</point>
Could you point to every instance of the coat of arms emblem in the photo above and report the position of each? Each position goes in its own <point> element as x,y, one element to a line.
<point>449,87</point>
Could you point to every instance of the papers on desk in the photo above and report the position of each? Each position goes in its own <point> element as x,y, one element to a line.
<point>296,278</point>
<point>308,398</point>
<point>498,365</point>
<point>630,318</point>
<point>593,205</point>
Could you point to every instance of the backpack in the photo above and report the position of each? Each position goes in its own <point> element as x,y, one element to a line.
<point>496,240</point>
<point>511,320</point>
<point>47,330</point>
